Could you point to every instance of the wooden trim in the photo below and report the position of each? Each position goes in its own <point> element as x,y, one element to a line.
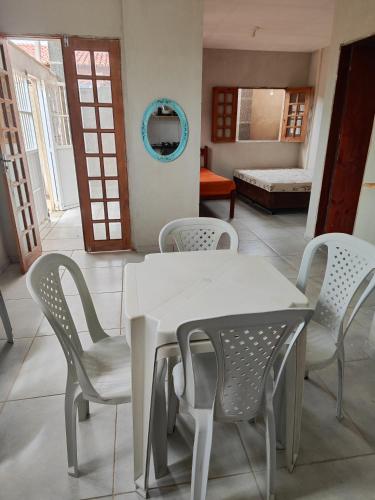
<point>224,122</point>
<point>112,46</point>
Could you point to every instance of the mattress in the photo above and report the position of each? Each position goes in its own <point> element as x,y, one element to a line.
<point>212,184</point>
<point>287,180</point>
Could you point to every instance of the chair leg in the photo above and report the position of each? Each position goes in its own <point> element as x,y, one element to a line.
<point>172,398</point>
<point>232,204</point>
<point>201,453</point>
<point>340,368</point>
<point>271,454</point>
<point>83,408</point>
<point>71,429</point>
<point>159,422</point>
<point>5,319</point>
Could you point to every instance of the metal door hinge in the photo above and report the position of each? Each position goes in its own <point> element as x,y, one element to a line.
<point>4,164</point>
<point>66,41</point>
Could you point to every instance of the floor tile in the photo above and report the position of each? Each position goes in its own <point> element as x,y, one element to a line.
<point>25,317</point>
<point>43,371</point>
<point>62,244</point>
<point>256,248</point>
<point>107,306</point>
<point>11,358</point>
<point>33,451</point>
<point>57,233</point>
<point>287,245</point>
<point>237,487</point>
<point>98,280</point>
<point>338,480</point>
<point>358,399</point>
<point>13,283</point>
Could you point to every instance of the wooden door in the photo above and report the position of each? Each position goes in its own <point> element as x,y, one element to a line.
<point>349,139</point>
<point>93,78</point>
<point>14,168</point>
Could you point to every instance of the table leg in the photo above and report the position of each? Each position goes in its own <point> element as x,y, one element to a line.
<point>143,351</point>
<point>294,380</point>
<point>5,318</point>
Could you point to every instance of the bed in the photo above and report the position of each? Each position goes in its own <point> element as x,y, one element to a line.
<point>214,186</point>
<point>275,189</point>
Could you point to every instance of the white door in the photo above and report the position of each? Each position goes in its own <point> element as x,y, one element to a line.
<point>65,177</point>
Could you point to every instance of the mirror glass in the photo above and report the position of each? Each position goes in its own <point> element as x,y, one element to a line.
<point>164,130</point>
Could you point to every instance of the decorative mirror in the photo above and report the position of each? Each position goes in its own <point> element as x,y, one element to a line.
<point>165,130</point>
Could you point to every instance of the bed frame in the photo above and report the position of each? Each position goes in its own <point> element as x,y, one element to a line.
<point>272,201</point>
<point>225,195</point>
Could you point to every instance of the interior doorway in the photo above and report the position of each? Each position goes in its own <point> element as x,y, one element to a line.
<point>349,138</point>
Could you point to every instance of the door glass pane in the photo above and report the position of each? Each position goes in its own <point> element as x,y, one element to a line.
<point>104,91</point>
<point>113,209</point>
<point>111,189</point>
<point>28,216</point>
<point>99,231</point>
<point>108,143</point>
<point>91,142</point>
<point>106,117</point>
<point>85,89</point>
<point>97,210</point>
<point>102,67</point>
<point>115,230</point>
<point>96,190</point>
<point>83,62</point>
<point>88,117</point>
<point>21,220</point>
<point>24,195</point>
<point>110,167</point>
<point>93,167</point>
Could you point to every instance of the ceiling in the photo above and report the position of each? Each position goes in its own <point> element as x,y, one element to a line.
<point>278,25</point>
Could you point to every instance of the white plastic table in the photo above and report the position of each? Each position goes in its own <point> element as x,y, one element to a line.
<point>168,289</point>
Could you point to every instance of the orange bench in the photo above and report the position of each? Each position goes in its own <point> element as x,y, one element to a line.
<point>214,186</point>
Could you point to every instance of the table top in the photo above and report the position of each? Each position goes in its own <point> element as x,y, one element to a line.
<point>182,286</point>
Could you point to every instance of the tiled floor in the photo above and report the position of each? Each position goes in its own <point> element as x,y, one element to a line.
<point>336,459</point>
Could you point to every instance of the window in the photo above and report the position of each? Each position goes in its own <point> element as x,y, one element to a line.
<point>60,117</point>
<point>246,114</point>
<point>25,111</point>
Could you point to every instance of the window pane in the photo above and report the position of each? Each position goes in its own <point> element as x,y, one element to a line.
<point>93,167</point>
<point>115,232</point>
<point>97,210</point>
<point>85,89</point>
<point>96,190</point>
<point>83,62</point>
<point>111,189</point>
<point>88,117</point>
<point>102,67</point>
<point>104,91</point>
<point>110,167</point>
<point>108,143</point>
<point>113,208</point>
<point>99,231</point>
<point>106,117</point>
<point>91,142</point>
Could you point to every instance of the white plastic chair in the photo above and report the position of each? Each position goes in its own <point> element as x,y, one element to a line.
<point>196,233</point>
<point>235,382</point>
<point>100,373</point>
<point>5,319</point>
<point>349,262</point>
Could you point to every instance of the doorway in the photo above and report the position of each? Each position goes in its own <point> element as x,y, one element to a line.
<point>349,138</point>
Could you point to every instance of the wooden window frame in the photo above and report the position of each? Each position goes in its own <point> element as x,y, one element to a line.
<point>307,91</point>
<point>232,137</point>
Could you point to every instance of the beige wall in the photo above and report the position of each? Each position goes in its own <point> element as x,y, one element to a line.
<point>3,254</point>
<point>161,57</point>
<point>241,68</point>
<point>352,21</point>
<point>266,114</point>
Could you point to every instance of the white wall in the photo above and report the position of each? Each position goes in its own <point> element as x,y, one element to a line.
<point>161,57</point>
<point>352,21</point>
<point>244,68</point>
<point>163,51</point>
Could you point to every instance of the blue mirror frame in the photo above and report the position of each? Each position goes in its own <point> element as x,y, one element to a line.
<point>183,123</point>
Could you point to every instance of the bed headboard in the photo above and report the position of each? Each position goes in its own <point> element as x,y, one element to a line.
<point>204,157</point>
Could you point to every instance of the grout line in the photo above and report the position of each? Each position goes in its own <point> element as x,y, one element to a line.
<point>33,397</point>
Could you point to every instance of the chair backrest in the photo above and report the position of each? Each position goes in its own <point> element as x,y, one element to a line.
<point>246,347</point>
<point>44,284</point>
<point>350,261</point>
<point>196,233</point>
